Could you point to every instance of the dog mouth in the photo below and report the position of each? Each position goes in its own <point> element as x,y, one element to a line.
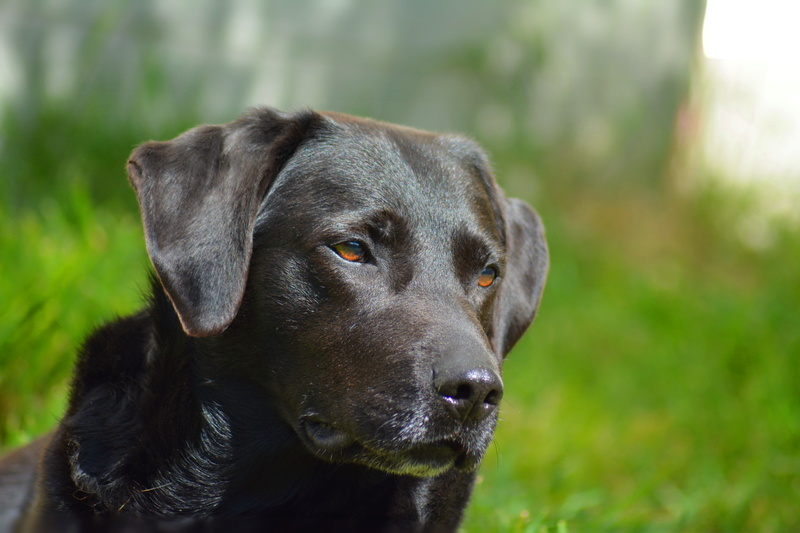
<point>419,459</point>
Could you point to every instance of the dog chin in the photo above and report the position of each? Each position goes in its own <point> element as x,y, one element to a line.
<point>425,460</point>
<point>419,460</point>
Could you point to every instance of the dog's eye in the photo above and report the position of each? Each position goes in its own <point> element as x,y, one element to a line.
<point>351,251</point>
<point>488,276</point>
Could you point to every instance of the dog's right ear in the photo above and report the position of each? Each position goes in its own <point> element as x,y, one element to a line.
<point>199,195</point>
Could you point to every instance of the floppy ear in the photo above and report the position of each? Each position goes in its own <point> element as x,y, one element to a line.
<point>199,195</point>
<point>525,273</point>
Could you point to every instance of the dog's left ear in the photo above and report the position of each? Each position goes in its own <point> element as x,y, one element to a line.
<point>524,278</point>
<point>199,195</point>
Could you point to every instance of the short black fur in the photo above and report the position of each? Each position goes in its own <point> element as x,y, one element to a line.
<point>272,384</point>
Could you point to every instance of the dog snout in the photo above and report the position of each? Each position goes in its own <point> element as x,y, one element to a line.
<point>472,393</point>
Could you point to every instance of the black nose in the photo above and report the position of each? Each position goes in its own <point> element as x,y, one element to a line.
<point>472,393</point>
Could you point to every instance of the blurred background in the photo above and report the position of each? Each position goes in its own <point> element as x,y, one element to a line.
<point>658,390</point>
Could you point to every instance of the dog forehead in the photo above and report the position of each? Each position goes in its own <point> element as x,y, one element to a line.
<point>373,165</point>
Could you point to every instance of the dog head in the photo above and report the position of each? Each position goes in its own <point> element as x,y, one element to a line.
<point>369,278</point>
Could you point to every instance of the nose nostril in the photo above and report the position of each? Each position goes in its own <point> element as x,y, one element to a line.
<point>493,398</point>
<point>463,392</point>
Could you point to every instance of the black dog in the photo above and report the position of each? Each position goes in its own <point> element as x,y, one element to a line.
<point>322,350</point>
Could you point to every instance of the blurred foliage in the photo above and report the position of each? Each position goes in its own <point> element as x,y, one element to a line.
<point>68,267</point>
<point>657,390</point>
<point>586,91</point>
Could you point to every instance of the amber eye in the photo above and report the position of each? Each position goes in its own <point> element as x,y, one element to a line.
<point>488,276</point>
<point>351,251</point>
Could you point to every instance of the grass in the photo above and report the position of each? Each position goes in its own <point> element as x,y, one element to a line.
<point>657,390</point>
<point>68,268</point>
